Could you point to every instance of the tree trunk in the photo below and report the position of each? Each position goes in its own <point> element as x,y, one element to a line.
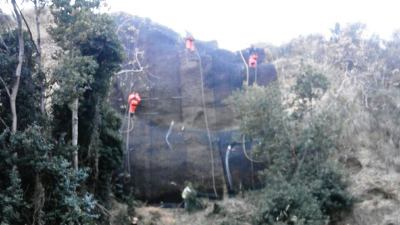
<point>93,149</point>
<point>74,109</point>
<point>38,201</point>
<point>13,100</point>
<point>15,87</point>
<point>39,192</point>
<point>39,59</point>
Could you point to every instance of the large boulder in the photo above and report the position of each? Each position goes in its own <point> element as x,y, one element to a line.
<point>167,138</point>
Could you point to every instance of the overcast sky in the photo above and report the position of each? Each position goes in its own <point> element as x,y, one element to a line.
<point>236,24</point>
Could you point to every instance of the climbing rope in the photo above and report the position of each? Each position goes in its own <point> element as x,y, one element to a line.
<point>245,151</point>
<point>127,150</point>
<point>247,67</point>
<point>128,131</point>
<point>228,171</point>
<point>255,74</point>
<point>206,122</point>
<point>168,133</point>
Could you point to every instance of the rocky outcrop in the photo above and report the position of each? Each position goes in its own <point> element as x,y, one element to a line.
<point>167,138</point>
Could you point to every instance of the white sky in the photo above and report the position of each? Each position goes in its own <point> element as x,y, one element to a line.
<point>236,24</point>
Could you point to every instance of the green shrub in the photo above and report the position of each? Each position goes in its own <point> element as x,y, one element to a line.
<point>289,203</point>
<point>301,185</point>
<point>11,200</point>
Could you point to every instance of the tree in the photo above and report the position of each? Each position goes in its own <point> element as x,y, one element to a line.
<point>39,5</point>
<point>310,85</point>
<point>307,192</point>
<point>39,192</point>
<point>63,204</point>
<point>12,200</point>
<point>12,94</point>
<point>92,36</point>
<point>73,24</point>
<point>48,190</point>
<point>74,76</point>
<point>27,98</point>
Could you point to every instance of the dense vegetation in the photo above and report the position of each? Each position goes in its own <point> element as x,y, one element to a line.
<point>42,180</point>
<point>332,99</point>
<point>301,185</point>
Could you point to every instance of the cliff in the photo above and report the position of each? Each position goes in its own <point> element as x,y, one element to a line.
<point>168,137</point>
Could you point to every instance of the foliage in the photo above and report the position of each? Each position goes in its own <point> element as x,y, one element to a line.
<point>11,199</point>
<point>67,206</point>
<point>27,95</point>
<point>300,187</point>
<point>40,150</point>
<point>309,85</point>
<point>260,113</point>
<point>110,150</point>
<point>92,54</point>
<point>289,203</point>
<point>37,155</point>
<point>74,76</point>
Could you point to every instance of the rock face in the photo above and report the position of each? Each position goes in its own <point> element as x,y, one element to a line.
<point>167,138</point>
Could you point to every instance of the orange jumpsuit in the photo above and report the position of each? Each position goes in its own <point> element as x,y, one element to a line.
<point>253,60</point>
<point>133,101</point>
<point>190,43</point>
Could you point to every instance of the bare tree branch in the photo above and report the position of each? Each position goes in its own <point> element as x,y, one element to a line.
<point>103,209</point>
<point>5,86</point>
<point>29,30</point>
<point>2,42</point>
<point>137,53</point>
<point>129,71</point>
<point>137,62</point>
<point>4,123</point>
<point>21,53</point>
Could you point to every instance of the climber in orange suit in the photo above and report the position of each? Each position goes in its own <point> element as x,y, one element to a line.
<point>133,101</point>
<point>253,60</point>
<point>190,43</point>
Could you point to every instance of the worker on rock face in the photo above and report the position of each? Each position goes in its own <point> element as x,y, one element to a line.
<point>253,57</point>
<point>253,60</point>
<point>189,41</point>
<point>133,101</point>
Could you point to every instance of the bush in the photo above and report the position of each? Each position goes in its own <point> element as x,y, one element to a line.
<point>302,187</point>
<point>289,203</point>
<point>11,200</point>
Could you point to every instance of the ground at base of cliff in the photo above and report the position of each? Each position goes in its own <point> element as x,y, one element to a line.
<point>228,211</point>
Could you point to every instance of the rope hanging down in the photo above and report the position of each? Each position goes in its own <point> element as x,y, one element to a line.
<point>127,131</point>
<point>252,63</point>
<point>168,133</point>
<point>206,123</point>
<point>255,74</point>
<point>247,67</point>
<point>245,151</point>
<point>133,101</point>
<point>228,171</point>
<point>127,150</point>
